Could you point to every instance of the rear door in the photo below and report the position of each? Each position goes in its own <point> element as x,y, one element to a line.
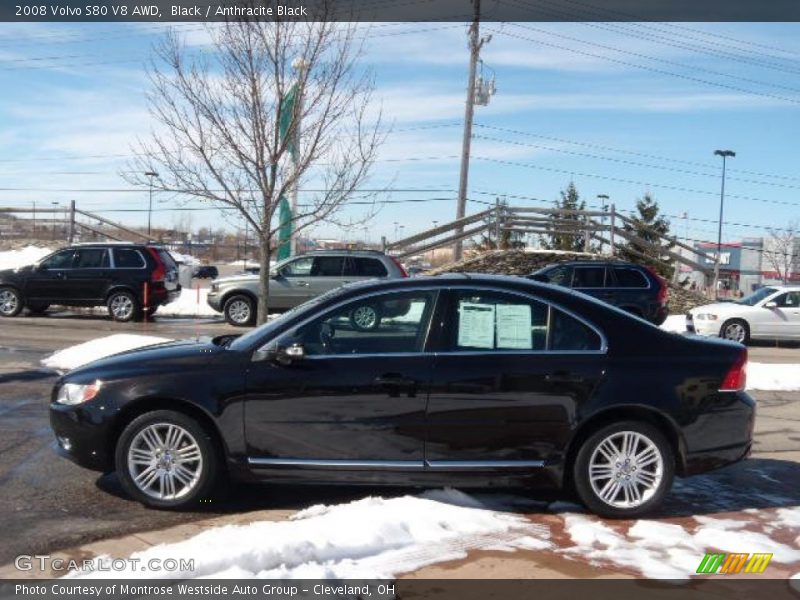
<point>359,268</point>
<point>507,385</point>
<point>91,274</point>
<point>327,273</point>
<point>592,280</point>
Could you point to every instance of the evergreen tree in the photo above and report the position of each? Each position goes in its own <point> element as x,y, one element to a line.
<point>567,229</point>
<point>650,227</point>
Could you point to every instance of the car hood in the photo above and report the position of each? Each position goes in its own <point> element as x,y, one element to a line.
<point>236,278</point>
<point>720,308</point>
<point>17,271</point>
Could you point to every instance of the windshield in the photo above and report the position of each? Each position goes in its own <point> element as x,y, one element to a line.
<point>757,296</point>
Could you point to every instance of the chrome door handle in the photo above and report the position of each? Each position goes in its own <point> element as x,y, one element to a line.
<point>302,284</point>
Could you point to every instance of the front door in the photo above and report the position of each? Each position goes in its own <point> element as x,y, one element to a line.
<point>291,285</point>
<point>357,398</point>
<point>506,389</point>
<point>783,321</point>
<point>49,281</point>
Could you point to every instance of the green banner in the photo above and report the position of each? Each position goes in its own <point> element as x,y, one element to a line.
<point>285,229</point>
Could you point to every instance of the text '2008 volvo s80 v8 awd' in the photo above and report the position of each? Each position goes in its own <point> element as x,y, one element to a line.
<point>467,380</point>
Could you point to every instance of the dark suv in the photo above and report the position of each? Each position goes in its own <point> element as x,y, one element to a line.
<point>631,287</point>
<point>130,279</point>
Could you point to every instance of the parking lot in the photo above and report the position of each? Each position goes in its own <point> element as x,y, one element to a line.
<point>47,503</point>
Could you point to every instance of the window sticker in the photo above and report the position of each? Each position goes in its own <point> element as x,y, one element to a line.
<point>514,326</point>
<point>476,325</point>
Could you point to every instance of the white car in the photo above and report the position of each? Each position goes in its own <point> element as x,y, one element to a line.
<point>772,312</point>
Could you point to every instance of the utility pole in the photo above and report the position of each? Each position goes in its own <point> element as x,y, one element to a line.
<point>54,218</point>
<point>613,229</point>
<point>604,207</point>
<point>151,175</point>
<point>71,234</point>
<point>724,154</point>
<point>475,45</point>
<point>300,66</point>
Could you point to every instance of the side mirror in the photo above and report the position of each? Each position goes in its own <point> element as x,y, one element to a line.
<point>771,305</point>
<point>287,355</point>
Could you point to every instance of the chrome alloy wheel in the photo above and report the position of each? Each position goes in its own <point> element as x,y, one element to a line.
<point>121,307</point>
<point>9,301</point>
<point>164,461</point>
<point>734,332</point>
<point>239,311</point>
<point>626,469</point>
<point>365,317</point>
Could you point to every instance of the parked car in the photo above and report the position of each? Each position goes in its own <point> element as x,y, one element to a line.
<point>205,272</point>
<point>771,312</point>
<point>299,278</point>
<point>633,288</point>
<point>129,279</point>
<point>486,380</point>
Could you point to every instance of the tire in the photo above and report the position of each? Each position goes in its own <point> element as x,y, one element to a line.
<point>151,310</point>
<point>735,330</point>
<point>651,481</point>
<point>162,479</point>
<point>37,309</point>
<point>365,318</point>
<point>123,306</point>
<point>240,311</point>
<point>11,302</point>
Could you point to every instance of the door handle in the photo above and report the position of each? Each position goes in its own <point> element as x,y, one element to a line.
<point>61,275</point>
<point>302,284</point>
<point>563,377</point>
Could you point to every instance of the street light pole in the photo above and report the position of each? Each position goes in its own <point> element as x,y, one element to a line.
<point>151,175</point>
<point>725,154</point>
<point>604,207</point>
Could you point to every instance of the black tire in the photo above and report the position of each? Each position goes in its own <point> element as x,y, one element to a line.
<point>736,330</point>
<point>203,487</point>
<point>123,306</point>
<point>150,311</point>
<point>37,309</point>
<point>365,317</point>
<point>240,311</point>
<point>11,301</point>
<point>650,498</point>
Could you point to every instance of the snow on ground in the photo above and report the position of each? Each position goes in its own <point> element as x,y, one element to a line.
<point>191,303</point>
<point>773,377</point>
<point>13,259</point>
<point>369,538</point>
<point>81,354</point>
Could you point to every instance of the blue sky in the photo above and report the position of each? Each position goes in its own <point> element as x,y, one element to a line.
<point>620,109</point>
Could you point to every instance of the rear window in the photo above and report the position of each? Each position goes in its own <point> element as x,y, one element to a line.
<point>125,258</point>
<point>589,277</point>
<point>166,258</point>
<point>630,278</point>
<point>369,267</point>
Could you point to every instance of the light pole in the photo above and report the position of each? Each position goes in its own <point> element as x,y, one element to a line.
<point>604,207</point>
<point>151,175</point>
<point>54,218</point>
<point>725,154</point>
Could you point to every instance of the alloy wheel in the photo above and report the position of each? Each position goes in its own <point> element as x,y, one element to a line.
<point>121,307</point>
<point>365,317</point>
<point>165,461</point>
<point>9,302</point>
<point>626,469</point>
<point>734,332</point>
<point>239,311</point>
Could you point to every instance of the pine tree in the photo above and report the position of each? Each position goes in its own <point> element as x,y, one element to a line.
<point>567,229</point>
<point>650,227</point>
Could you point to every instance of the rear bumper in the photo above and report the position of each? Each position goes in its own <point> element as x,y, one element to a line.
<point>158,295</point>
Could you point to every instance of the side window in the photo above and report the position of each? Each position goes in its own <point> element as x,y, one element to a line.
<point>328,266</point>
<point>298,268</point>
<point>788,300</point>
<point>496,321</point>
<point>90,258</point>
<point>385,324</point>
<point>568,333</point>
<point>560,276</point>
<point>589,277</point>
<point>60,260</point>
<point>629,278</point>
<point>125,258</point>
<point>369,267</point>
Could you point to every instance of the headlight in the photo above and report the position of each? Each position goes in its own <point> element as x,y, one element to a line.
<point>706,317</point>
<point>76,393</point>
<point>214,287</point>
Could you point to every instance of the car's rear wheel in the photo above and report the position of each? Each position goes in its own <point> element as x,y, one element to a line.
<point>624,470</point>
<point>240,311</point>
<point>365,317</point>
<point>166,459</point>
<point>37,308</point>
<point>735,330</point>
<point>123,306</point>
<point>10,302</point>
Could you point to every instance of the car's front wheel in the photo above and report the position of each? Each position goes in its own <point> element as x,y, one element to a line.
<point>165,459</point>
<point>624,470</point>
<point>10,302</point>
<point>735,330</point>
<point>240,311</point>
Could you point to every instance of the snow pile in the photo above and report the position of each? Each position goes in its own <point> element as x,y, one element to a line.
<point>369,538</point>
<point>773,377</point>
<point>185,259</point>
<point>14,259</point>
<point>81,354</point>
<point>191,303</point>
<point>674,323</point>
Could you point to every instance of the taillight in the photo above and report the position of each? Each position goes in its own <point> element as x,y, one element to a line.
<point>160,272</point>
<point>403,272</point>
<point>663,290</point>
<point>736,378</point>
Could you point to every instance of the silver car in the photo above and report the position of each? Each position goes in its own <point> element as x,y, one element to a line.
<point>299,278</point>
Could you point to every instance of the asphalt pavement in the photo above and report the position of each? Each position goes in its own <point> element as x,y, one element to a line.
<point>47,503</point>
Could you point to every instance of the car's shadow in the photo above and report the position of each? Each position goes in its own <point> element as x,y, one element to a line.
<point>760,483</point>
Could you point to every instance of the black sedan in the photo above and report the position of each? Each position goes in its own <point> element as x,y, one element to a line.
<point>483,380</point>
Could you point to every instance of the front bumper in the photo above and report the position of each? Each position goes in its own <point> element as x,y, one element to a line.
<point>214,300</point>
<point>82,435</point>
<point>705,327</point>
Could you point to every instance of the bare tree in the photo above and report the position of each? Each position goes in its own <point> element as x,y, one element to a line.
<point>780,249</point>
<point>227,124</point>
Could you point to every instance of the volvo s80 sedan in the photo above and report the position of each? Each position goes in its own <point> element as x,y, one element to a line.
<point>482,380</point>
